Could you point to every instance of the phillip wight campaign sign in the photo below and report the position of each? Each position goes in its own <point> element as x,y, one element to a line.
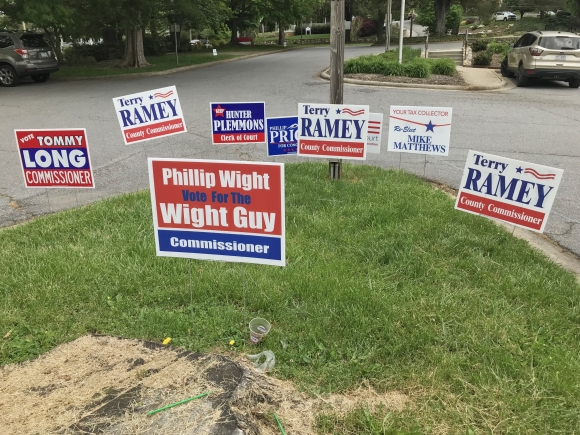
<point>55,158</point>
<point>219,210</point>
<point>420,130</point>
<point>513,191</point>
<point>332,131</point>
<point>148,115</point>
<point>238,123</point>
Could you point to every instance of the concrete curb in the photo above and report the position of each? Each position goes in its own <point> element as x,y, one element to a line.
<point>165,72</point>
<point>324,75</point>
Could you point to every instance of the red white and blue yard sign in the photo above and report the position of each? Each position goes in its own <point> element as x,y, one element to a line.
<point>55,157</point>
<point>332,131</point>
<point>375,132</point>
<point>238,123</point>
<point>149,115</point>
<point>420,130</point>
<point>512,191</point>
<point>219,210</point>
<point>282,135</point>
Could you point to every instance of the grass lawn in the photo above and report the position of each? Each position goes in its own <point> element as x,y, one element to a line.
<point>162,63</point>
<point>386,282</point>
<point>293,37</point>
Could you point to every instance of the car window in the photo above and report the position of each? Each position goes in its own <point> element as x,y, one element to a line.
<point>527,40</point>
<point>520,41</point>
<point>33,41</point>
<point>560,43</point>
<point>5,41</point>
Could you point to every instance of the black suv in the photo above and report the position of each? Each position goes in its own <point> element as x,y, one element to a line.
<point>25,54</point>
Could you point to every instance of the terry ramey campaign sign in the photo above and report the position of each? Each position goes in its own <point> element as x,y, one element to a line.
<point>238,122</point>
<point>513,191</point>
<point>332,131</point>
<point>420,130</point>
<point>55,158</point>
<point>219,210</point>
<point>148,115</point>
<point>375,132</point>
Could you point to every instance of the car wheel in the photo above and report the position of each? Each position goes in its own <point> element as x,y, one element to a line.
<point>505,70</point>
<point>8,76</point>
<point>41,78</point>
<point>574,83</point>
<point>522,79</point>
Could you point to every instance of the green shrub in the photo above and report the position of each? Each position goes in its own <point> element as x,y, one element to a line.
<point>100,52</point>
<point>498,48</point>
<point>418,68</point>
<point>479,45</point>
<point>482,58</point>
<point>393,68</point>
<point>408,54</point>
<point>445,67</point>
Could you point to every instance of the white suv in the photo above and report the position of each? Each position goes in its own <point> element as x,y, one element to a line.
<point>504,16</point>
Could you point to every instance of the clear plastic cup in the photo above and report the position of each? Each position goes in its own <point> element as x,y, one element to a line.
<point>259,328</point>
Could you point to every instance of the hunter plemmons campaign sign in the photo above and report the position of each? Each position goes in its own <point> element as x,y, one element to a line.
<point>513,191</point>
<point>332,131</point>
<point>55,157</point>
<point>420,130</point>
<point>149,115</point>
<point>219,210</point>
<point>233,123</point>
<point>282,135</point>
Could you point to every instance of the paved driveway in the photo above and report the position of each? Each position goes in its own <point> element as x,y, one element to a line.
<point>538,124</point>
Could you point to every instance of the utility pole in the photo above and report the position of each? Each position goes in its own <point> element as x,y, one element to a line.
<point>336,68</point>
<point>402,26</point>
<point>388,23</point>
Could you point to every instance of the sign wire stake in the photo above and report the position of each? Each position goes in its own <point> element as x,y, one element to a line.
<point>244,290</point>
<point>425,165</point>
<point>400,158</point>
<point>76,198</point>
<point>191,290</point>
<point>48,200</point>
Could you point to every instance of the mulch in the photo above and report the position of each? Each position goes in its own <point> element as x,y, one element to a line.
<point>434,79</point>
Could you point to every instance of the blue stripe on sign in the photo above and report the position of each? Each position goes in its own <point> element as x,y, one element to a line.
<point>54,158</point>
<point>233,245</point>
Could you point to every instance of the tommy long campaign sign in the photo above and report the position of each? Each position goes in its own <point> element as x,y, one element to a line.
<point>219,210</point>
<point>148,115</point>
<point>282,135</point>
<point>420,130</point>
<point>55,158</point>
<point>510,190</point>
<point>238,123</point>
<point>375,132</point>
<point>332,131</point>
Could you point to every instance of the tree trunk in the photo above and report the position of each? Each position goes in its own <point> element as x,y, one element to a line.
<point>388,21</point>
<point>281,34</point>
<point>234,28</point>
<point>441,9</point>
<point>134,54</point>
<point>379,27</point>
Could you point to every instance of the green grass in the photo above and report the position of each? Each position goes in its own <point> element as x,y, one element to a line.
<point>386,282</point>
<point>162,63</point>
<point>294,37</point>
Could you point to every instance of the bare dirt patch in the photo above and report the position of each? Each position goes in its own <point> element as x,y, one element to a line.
<point>434,79</point>
<point>106,385</point>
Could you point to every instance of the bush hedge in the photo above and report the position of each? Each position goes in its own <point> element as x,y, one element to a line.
<point>387,64</point>
<point>315,29</point>
<point>100,52</point>
<point>479,45</point>
<point>482,58</point>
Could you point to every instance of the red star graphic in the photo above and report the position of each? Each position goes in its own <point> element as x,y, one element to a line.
<point>219,111</point>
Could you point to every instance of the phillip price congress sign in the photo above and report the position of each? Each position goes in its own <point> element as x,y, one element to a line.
<point>513,191</point>
<point>219,210</point>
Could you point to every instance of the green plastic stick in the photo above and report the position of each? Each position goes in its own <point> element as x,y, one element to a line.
<point>279,424</point>
<point>177,403</point>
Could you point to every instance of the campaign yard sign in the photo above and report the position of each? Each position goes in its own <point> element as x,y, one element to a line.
<point>55,157</point>
<point>282,135</point>
<point>420,130</point>
<point>512,191</point>
<point>149,115</point>
<point>238,123</point>
<point>333,131</point>
<point>375,132</point>
<point>218,210</point>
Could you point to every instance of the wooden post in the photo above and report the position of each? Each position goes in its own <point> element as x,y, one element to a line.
<point>336,68</point>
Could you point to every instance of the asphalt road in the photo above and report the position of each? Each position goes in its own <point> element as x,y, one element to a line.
<point>538,124</point>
